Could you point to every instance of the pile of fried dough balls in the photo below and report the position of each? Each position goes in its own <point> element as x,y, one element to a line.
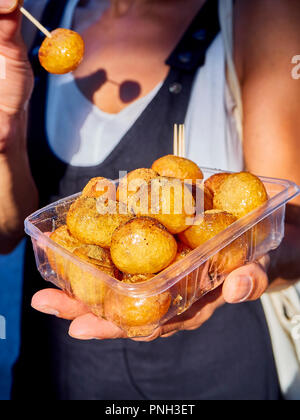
<point>134,233</point>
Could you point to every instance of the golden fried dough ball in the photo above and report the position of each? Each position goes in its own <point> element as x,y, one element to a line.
<point>240,194</point>
<point>131,183</point>
<point>177,167</point>
<point>62,237</point>
<point>136,278</point>
<point>169,201</point>
<point>99,256</point>
<point>97,187</point>
<point>229,258</point>
<point>137,316</point>
<point>63,52</point>
<point>87,287</point>
<point>142,245</point>
<point>214,183</point>
<point>93,221</point>
<point>208,226</point>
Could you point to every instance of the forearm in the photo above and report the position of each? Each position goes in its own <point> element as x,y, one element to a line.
<point>18,193</point>
<point>271,122</point>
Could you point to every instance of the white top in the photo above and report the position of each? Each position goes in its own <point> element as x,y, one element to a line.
<point>89,134</point>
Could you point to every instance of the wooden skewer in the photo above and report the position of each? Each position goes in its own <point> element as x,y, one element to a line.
<point>182,141</point>
<point>175,141</point>
<point>35,22</point>
<point>179,140</point>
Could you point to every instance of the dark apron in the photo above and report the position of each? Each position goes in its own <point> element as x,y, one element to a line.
<point>230,357</point>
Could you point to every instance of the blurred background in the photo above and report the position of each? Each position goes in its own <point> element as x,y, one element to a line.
<point>10,301</point>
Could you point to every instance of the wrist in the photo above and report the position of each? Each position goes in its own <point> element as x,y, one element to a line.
<point>12,133</point>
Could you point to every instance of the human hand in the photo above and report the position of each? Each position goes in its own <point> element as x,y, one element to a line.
<point>247,283</point>
<point>16,81</point>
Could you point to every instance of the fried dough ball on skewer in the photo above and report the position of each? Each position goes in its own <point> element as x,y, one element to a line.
<point>132,182</point>
<point>93,221</point>
<point>137,316</point>
<point>142,245</point>
<point>177,167</point>
<point>63,52</point>
<point>98,187</point>
<point>208,226</point>
<point>169,201</point>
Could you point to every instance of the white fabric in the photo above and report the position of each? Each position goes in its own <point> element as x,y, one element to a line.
<point>282,310</point>
<point>89,135</point>
<point>212,139</point>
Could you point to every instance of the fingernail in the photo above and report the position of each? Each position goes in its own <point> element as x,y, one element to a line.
<point>46,310</point>
<point>83,337</point>
<point>7,5</point>
<point>242,288</point>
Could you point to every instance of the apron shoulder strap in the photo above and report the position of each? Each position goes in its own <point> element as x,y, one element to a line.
<point>190,52</point>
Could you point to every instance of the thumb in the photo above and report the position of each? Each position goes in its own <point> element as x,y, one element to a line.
<point>8,6</point>
<point>10,21</point>
<point>246,283</point>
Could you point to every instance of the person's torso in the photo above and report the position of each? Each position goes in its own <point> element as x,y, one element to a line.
<point>230,357</point>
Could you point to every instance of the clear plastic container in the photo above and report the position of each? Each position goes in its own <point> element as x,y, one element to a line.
<point>140,308</point>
